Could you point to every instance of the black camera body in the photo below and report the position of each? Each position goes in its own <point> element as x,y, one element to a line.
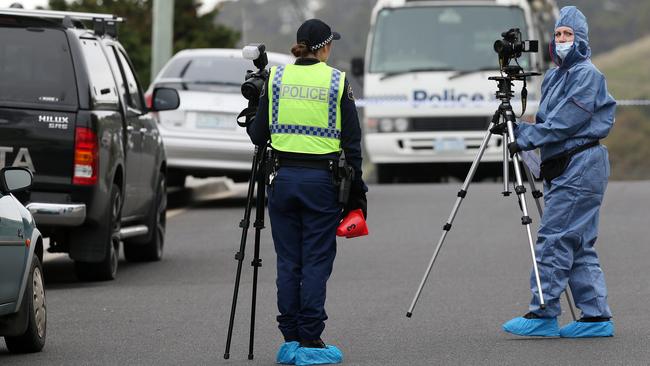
<point>511,46</point>
<point>254,81</point>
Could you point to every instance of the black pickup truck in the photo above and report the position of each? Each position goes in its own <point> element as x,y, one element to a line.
<point>73,112</point>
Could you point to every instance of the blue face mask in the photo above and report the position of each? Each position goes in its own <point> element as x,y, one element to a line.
<point>563,49</point>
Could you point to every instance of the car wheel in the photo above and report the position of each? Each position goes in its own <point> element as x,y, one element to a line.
<point>33,339</point>
<point>106,269</point>
<point>152,250</point>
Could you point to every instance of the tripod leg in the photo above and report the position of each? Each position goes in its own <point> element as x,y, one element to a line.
<point>506,165</point>
<point>537,194</point>
<point>257,262</point>
<point>509,117</point>
<point>447,227</point>
<point>244,225</point>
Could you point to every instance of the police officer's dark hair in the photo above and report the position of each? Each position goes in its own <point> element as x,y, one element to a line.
<point>301,50</point>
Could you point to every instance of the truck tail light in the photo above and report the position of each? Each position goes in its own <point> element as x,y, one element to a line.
<point>148,100</point>
<point>86,157</point>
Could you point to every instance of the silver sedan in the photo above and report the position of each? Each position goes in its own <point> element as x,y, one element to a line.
<point>202,137</point>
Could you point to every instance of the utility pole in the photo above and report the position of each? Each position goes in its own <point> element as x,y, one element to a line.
<point>162,34</point>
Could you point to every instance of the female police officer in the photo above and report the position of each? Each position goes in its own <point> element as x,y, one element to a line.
<point>575,112</point>
<point>307,111</point>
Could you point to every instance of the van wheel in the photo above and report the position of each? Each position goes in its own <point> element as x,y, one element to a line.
<point>106,269</point>
<point>33,339</point>
<point>151,250</point>
<point>385,173</point>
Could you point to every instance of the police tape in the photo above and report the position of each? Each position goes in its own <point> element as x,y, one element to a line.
<point>389,102</point>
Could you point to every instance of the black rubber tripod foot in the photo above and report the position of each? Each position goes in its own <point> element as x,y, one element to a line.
<point>250,357</point>
<point>409,314</point>
<point>226,356</point>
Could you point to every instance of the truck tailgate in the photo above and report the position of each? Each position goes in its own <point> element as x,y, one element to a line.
<point>42,141</point>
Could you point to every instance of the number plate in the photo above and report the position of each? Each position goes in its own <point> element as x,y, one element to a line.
<point>215,121</point>
<point>449,144</point>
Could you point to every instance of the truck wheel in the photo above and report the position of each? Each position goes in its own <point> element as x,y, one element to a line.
<point>106,269</point>
<point>176,178</point>
<point>33,339</point>
<point>151,250</point>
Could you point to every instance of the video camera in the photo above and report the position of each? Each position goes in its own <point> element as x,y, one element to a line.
<point>511,46</point>
<point>254,80</point>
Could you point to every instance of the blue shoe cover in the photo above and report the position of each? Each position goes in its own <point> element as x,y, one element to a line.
<point>587,329</point>
<point>540,327</point>
<point>318,356</point>
<point>287,353</point>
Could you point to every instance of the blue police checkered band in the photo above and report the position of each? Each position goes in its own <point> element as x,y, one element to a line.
<point>322,44</point>
<point>333,99</point>
<point>275,94</point>
<point>306,130</point>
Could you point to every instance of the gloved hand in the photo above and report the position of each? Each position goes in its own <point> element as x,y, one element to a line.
<point>513,148</point>
<point>355,201</point>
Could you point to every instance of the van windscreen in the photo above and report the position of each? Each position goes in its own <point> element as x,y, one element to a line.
<point>36,68</point>
<point>444,37</point>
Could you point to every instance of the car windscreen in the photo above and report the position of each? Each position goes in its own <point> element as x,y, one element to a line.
<point>208,73</point>
<point>36,68</point>
<point>442,37</point>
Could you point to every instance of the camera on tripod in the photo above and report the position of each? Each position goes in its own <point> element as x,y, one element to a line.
<point>510,47</point>
<point>254,81</point>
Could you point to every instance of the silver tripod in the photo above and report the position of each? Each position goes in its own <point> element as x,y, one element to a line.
<point>505,118</point>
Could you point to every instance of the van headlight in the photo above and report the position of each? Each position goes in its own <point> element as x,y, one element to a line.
<point>386,125</point>
<point>401,125</point>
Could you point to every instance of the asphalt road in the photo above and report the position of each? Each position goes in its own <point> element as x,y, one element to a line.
<point>175,312</point>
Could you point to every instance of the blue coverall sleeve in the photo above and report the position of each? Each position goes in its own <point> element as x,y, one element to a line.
<point>258,130</point>
<point>568,116</point>
<point>351,137</point>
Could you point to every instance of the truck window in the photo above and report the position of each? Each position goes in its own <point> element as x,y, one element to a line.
<point>442,37</point>
<point>36,68</point>
<point>101,78</point>
<point>134,99</point>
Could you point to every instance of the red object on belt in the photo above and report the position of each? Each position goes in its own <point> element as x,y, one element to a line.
<point>353,225</point>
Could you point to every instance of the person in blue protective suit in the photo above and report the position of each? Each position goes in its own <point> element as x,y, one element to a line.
<point>575,112</point>
<point>308,113</point>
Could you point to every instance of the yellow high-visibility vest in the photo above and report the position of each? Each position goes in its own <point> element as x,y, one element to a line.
<point>304,108</point>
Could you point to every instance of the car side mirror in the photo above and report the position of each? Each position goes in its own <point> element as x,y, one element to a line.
<point>356,65</point>
<point>14,179</point>
<point>165,99</point>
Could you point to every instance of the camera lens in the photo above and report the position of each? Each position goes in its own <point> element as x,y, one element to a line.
<point>252,88</point>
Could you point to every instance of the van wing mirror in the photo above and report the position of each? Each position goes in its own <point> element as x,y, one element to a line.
<point>165,99</point>
<point>15,179</point>
<point>356,65</point>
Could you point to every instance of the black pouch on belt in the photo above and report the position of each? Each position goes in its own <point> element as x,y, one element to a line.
<point>343,176</point>
<point>553,167</point>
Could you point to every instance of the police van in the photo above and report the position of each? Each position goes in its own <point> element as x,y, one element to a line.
<point>427,97</point>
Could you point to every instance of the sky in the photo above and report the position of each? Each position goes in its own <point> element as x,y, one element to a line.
<point>32,4</point>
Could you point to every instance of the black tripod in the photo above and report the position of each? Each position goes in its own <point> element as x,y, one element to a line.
<point>503,119</point>
<point>257,178</point>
